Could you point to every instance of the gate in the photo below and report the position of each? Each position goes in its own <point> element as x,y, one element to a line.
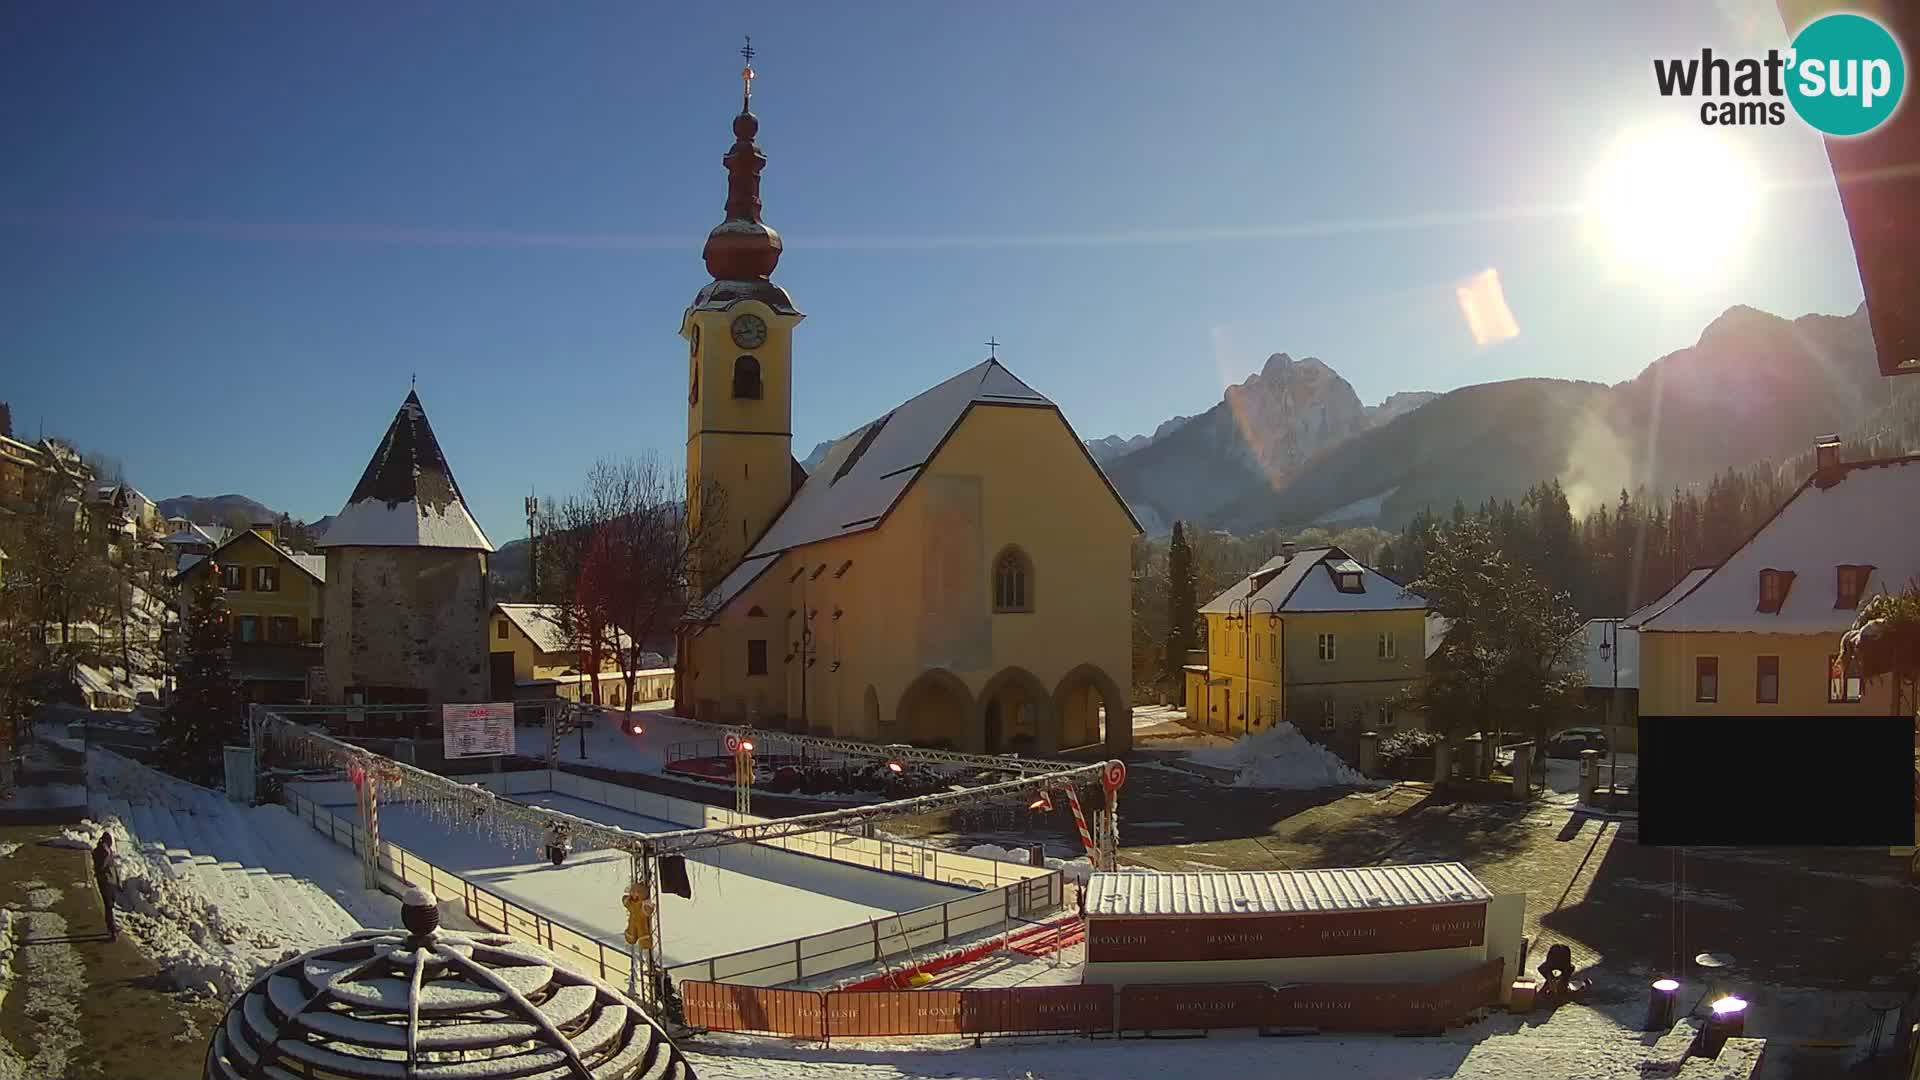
<point>240,775</point>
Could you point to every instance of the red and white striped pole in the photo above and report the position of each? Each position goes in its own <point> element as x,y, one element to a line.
<point>373,830</point>
<point>1080,822</point>
<point>1111,778</point>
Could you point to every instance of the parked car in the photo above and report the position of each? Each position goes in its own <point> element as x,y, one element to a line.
<point>1569,743</point>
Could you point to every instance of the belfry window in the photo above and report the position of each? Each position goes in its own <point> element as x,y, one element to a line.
<point>746,378</point>
<point>1013,581</point>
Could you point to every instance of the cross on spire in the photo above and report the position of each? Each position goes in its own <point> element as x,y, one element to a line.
<point>746,73</point>
<point>993,349</point>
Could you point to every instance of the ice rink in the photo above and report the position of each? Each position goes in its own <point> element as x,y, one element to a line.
<point>744,895</point>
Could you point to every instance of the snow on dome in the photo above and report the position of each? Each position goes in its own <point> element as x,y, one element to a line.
<point>407,497</point>
<point>385,1004</point>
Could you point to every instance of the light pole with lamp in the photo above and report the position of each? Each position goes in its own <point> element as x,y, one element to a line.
<point>1610,651</point>
<point>1241,610</point>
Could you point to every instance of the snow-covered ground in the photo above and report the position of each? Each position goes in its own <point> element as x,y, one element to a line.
<point>744,895</point>
<point>1280,757</point>
<point>215,891</point>
<point>609,746</point>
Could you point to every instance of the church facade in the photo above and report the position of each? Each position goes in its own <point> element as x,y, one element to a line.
<point>955,573</point>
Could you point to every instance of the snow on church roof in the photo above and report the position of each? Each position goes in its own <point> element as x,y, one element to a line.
<point>1869,517</point>
<point>407,497</point>
<point>867,471</point>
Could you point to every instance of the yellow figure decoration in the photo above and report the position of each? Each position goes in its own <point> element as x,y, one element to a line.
<point>639,916</point>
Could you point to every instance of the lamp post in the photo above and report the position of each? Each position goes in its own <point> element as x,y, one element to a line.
<point>1610,650</point>
<point>1242,610</point>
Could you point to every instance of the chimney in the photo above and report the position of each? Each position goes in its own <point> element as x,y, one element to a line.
<point>1286,550</point>
<point>264,530</point>
<point>1826,459</point>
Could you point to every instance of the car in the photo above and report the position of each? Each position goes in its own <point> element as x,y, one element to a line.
<point>1570,742</point>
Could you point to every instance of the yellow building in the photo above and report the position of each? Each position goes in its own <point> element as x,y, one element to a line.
<point>531,653</point>
<point>274,603</point>
<point>1760,633</point>
<point>1315,639</point>
<point>954,573</point>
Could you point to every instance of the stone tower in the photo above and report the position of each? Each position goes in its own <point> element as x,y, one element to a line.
<point>739,333</point>
<point>407,600</point>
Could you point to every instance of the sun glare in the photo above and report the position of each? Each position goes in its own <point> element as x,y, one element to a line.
<point>1673,205</point>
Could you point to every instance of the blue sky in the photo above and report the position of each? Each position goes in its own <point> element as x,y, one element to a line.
<point>230,232</point>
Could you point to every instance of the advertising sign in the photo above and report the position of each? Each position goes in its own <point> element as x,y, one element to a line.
<point>469,731</point>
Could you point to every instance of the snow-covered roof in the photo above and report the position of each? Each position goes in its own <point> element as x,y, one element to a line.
<point>865,473</point>
<point>1305,582</point>
<point>314,565</point>
<point>1283,892</point>
<point>407,497</point>
<point>1603,643</point>
<point>1681,588</point>
<point>1863,514</point>
<point>191,535</point>
<point>541,624</point>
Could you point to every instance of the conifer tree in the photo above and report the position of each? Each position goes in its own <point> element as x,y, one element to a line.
<point>205,716</point>
<point>1182,603</point>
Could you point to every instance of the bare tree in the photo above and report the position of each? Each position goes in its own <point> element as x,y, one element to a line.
<point>621,558</point>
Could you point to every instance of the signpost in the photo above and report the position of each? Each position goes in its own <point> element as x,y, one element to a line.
<point>470,731</point>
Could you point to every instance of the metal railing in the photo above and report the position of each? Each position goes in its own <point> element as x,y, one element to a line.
<point>1022,895</point>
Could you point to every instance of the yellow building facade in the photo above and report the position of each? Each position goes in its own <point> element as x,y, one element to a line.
<point>1314,639</point>
<point>529,651</point>
<point>954,573</point>
<point>273,596</point>
<point>1759,634</point>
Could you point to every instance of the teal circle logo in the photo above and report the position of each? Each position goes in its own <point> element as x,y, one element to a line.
<point>1847,73</point>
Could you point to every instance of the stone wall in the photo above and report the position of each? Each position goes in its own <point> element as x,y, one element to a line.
<point>407,617</point>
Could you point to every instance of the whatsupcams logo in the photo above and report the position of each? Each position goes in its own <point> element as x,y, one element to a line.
<point>1843,75</point>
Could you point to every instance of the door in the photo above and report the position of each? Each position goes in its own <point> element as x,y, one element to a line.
<point>993,727</point>
<point>502,681</point>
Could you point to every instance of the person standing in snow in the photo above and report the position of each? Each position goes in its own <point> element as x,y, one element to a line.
<point>103,877</point>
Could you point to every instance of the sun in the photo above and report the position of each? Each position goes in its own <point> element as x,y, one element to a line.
<point>1673,205</point>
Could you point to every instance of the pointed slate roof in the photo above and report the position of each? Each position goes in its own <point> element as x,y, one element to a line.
<point>866,472</point>
<point>407,497</point>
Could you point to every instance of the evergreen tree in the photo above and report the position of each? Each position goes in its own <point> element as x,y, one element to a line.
<point>205,716</point>
<point>1182,603</point>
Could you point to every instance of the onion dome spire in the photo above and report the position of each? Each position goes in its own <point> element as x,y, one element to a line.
<point>743,248</point>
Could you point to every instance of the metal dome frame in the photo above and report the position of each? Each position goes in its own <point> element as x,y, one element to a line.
<point>369,1007</point>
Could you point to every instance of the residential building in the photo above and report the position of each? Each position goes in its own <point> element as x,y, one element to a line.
<point>1607,658</point>
<point>953,573</point>
<point>188,539</point>
<point>275,610</point>
<point>24,473</point>
<point>532,657</point>
<point>1759,634</point>
<point>1313,638</point>
<point>408,600</point>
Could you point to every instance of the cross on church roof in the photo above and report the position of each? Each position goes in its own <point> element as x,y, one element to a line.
<point>746,73</point>
<point>993,349</point>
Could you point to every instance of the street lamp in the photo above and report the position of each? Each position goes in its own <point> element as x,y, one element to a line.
<point>1242,610</point>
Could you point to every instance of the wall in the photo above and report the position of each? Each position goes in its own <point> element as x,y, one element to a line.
<point>1375,967</point>
<point>1007,475</point>
<point>1667,676</point>
<point>299,597</point>
<point>407,617</point>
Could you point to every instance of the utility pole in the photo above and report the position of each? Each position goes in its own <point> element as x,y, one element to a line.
<point>533,548</point>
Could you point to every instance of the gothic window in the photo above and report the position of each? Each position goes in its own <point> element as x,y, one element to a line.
<point>746,378</point>
<point>1013,581</point>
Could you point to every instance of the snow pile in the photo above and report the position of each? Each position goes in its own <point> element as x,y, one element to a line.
<point>81,839</point>
<point>1280,757</point>
<point>8,848</point>
<point>7,919</point>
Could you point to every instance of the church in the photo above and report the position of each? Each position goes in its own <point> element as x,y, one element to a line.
<point>955,573</point>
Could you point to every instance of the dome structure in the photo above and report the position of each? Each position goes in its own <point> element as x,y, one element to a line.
<point>429,1005</point>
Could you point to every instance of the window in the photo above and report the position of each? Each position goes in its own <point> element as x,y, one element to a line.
<point>319,625</point>
<point>500,629</point>
<point>1850,582</point>
<point>1327,650</point>
<point>1350,583</point>
<point>1766,680</point>
<point>757,656</point>
<point>1385,647</point>
<point>1013,582</point>
<point>1256,648</point>
<point>284,629</point>
<point>1273,646</point>
<point>1327,720</point>
<point>234,577</point>
<point>1843,683</point>
<point>249,628</point>
<point>1706,678</point>
<point>1386,714</point>
<point>1774,585</point>
<point>746,378</point>
<point>266,579</point>
<point>1359,715</point>
<point>1257,714</point>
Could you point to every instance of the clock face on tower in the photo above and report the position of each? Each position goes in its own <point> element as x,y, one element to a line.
<point>749,332</point>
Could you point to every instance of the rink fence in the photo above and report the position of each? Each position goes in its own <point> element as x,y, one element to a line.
<point>1026,892</point>
<point>1091,1009</point>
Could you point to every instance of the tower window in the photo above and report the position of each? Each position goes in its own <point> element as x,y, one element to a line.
<point>746,378</point>
<point>693,384</point>
<point>1013,581</point>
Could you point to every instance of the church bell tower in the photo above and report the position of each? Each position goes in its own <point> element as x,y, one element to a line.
<point>739,333</point>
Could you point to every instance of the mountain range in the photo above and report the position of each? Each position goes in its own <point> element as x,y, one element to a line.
<point>1293,446</point>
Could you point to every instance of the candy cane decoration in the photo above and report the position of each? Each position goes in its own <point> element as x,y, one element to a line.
<point>373,832</point>
<point>1114,775</point>
<point>1080,822</point>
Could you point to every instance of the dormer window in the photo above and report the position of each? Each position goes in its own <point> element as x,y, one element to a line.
<point>1348,576</point>
<point>1350,583</point>
<point>1850,580</point>
<point>1773,590</point>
